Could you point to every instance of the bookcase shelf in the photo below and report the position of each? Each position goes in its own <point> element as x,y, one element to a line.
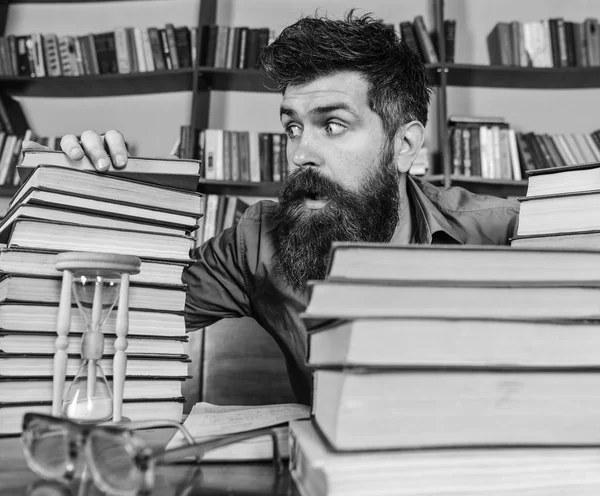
<point>497,76</point>
<point>100,85</point>
<point>484,186</point>
<point>8,191</point>
<point>238,188</point>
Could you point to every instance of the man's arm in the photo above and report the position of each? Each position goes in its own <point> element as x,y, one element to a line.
<point>216,283</point>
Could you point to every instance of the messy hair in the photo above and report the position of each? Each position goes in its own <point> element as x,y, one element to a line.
<point>317,46</point>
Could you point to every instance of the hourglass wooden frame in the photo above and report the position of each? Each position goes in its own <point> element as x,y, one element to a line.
<point>69,263</point>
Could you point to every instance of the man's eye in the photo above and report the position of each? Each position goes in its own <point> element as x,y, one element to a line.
<point>334,128</point>
<point>293,131</point>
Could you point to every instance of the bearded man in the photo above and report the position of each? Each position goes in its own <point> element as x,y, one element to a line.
<point>355,103</point>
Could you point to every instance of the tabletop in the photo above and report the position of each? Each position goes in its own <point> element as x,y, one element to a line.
<point>207,479</point>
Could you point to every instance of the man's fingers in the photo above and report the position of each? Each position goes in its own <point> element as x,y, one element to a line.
<point>114,142</point>
<point>32,145</point>
<point>94,148</point>
<point>70,145</point>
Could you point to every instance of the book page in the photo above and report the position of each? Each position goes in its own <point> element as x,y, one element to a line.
<point>207,420</point>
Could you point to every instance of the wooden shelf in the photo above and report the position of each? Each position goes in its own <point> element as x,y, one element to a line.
<point>496,187</point>
<point>8,191</point>
<point>100,85</point>
<point>497,76</point>
<point>239,188</point>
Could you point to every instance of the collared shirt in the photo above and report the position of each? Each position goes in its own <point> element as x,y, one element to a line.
<point>234,273</point>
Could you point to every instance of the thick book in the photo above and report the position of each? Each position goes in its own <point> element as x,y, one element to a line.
<point>567,179</point>
<point>39,212</point>
<point>560,212</point>
<point>30,317</point>
<point>41,365</point>
<point>45,342</point>
<point>207,421</point>
<point>318,470</point>
<point>11,416</point>
<point>83,203</point>
<point>420,342</point>
<point>43,263</point>
<point>62,236</point>
<point>105,187</point>
<point>42,290</point>
<point>176,173</point>
<point>363,409</point>
<point>346,299</point>
<point>582,240</point>
<point>27,389</point>
<point>468,263</point>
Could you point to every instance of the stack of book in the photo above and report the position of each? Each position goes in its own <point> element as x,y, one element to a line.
<point>65,206</point>
<point>561,208</point>
<point>452,370</point>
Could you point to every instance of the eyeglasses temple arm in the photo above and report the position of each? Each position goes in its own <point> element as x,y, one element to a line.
<point>200,449</point>
<point>157,424</point>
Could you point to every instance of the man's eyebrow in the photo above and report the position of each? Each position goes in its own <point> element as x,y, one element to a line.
<point>325,109</point>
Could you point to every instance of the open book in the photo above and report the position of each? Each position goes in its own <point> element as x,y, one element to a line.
<point>207,421</point>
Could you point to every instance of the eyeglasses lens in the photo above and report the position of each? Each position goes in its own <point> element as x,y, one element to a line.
<point>114,462</point>
<point>47,449</point>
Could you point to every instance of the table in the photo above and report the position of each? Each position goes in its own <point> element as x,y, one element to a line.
<point>211,479</point>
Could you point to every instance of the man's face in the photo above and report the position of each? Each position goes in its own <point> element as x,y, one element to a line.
<point>345,186</point>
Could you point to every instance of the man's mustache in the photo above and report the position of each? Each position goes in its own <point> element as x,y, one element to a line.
<point>308,182</point>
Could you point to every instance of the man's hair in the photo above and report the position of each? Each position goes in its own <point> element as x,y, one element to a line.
<point>317,46</point>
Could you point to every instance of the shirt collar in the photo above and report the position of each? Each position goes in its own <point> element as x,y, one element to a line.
<point>430,225</point>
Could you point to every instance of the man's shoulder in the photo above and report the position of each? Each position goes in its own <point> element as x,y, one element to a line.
<point>458,199</point>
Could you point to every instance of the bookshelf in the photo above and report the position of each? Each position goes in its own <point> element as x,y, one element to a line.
<point>203,81</point>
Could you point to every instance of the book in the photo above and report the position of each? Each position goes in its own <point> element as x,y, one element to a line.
<point>318,470</point>
<point>567,179</point>
<point>105,187</point>
<point>485,264</point>
<point>39,212</point>
<point>30,317</point>
<point>43,263</point>
<point>175,173</point>
<point>20,390</point>
<point>207,421</point>
<point>560,212</point>
<point>344,299</point>
<point>109,208</point>
<point>420,342</point>
<point>564,240</point>
<point>468,408</point>
<point>11,416</point>
<point>45,342</point>
<point>61,236</point>
<point>43,290</point>
<point>41,365</point>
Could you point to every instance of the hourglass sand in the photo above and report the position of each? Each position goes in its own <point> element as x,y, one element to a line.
<point>98,281</point>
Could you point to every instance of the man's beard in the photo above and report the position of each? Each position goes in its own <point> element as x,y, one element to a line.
<point>303,237</point>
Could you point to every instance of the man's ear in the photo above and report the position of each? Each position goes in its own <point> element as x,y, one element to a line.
<point>407,144</point>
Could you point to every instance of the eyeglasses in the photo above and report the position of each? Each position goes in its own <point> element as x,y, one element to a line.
<point>119,461</point>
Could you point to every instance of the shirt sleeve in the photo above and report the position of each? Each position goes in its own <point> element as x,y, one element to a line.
<point>216,282</point>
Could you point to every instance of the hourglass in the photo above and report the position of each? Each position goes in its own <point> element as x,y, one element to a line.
<point>98,281</point>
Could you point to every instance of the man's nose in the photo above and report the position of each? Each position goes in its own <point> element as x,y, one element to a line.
<point>305,152</point>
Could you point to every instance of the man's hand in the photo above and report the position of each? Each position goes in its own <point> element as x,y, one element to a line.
<point>101,150</point>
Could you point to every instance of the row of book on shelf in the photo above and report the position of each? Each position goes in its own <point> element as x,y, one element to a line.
<point>133,49</point>
<point>122,51</point>
<point>488,147</point>
<point>553,42</point>
<point>454,369</point>
<point>150,211</point>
